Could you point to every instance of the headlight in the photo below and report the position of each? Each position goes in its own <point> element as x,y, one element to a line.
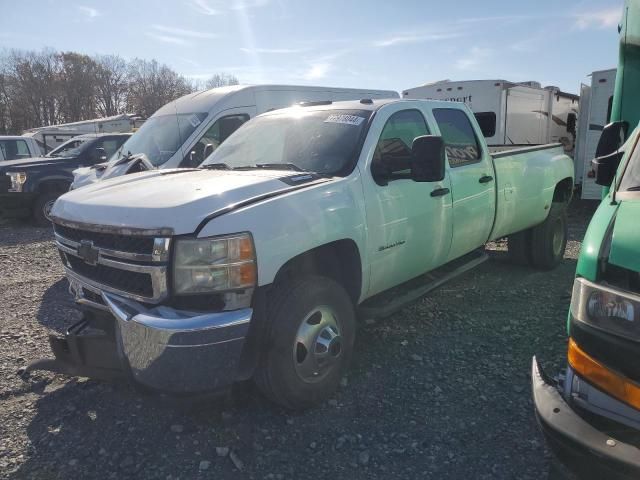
<point>17,180</point>
<point>214,264</point>
<point>606,308</point>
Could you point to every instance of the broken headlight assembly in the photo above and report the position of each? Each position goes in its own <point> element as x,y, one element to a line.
<point>216,264</point>
<point>17,181</point>
<point>608,309</point>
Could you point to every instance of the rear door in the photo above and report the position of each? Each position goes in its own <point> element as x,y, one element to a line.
<point>472,182</point>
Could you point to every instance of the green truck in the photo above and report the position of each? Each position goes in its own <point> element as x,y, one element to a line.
<point>590,414</point>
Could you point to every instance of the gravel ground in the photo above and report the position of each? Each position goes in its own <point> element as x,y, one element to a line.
<point>440,390</point>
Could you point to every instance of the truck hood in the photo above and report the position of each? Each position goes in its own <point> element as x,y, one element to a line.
<point>625,241</point>
<point>177,200</point>
<point>37,162</point>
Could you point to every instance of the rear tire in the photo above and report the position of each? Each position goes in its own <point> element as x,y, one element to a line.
<point>549,239</point>
<point>42,207</point>
<point>519,248</point>
<point>311,330</point>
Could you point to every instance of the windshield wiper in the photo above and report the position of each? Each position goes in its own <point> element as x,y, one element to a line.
<point>272,166</point>
<point>123,159</point>
<point>216,166</point>
<point>633,189</point>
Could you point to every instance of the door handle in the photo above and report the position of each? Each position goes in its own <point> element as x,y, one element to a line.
<point>486,179</point>
<point>439,192</point>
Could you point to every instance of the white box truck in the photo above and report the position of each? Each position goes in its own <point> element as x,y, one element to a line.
<point>511,113</point>
<point>184,132</point>
<point>595,112</point>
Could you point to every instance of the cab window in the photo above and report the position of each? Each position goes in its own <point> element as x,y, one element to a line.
<point>110,145</point>
<point>393,151</point>
<point>14,149</point>
<point>460,140</point>
<point>217,133</point>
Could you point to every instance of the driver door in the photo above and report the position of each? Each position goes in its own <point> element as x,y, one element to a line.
<point>409,223</point>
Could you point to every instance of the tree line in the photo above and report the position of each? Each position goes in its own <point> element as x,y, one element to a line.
<point>47,87</point>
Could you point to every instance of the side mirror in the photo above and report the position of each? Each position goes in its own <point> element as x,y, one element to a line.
<point>208,150</point>
<point>427,159</point>
<point>608,155</point>
<point>100,154</point>
<point>612,138</point>
<point>605,168</point>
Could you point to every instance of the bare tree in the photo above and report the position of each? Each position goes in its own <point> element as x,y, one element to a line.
<point>152,85</point>
<point>111,85</point>
<point>221,80</point>
<point>49,87</point>
<point>77,86</point>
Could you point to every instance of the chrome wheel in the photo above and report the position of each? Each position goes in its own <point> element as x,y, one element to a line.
<point>46,209</point>
<point>318,345</point>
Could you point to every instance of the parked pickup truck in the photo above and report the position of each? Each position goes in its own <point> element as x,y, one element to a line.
<point>29,187</point>
<point>253,264</point>
<point>14,147</point>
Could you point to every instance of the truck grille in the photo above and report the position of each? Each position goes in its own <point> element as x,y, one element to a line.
<point>131,266</point>
<point>110,241</point>
<point>133,282</point>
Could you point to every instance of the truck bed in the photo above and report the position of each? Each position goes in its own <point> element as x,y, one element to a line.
<point>521,175</point>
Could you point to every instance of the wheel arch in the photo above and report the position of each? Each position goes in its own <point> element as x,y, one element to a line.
<point>563,191</point>
<point>339,260</point>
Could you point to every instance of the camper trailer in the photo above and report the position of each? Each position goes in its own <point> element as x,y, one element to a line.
<point>511,113</point>
<point>53,136</point>
<point>595,112</point>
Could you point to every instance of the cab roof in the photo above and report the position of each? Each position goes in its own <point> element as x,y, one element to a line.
<point>367,105</point>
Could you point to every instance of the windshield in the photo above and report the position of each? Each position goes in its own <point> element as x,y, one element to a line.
<point>631,177</point>
<point>317,141</point>
<point>70,148</point>
<point>160,137</point>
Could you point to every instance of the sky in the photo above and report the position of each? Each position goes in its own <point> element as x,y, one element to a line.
<point>342,43</point>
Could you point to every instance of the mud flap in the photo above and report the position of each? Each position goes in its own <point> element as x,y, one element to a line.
<point>88,349</point>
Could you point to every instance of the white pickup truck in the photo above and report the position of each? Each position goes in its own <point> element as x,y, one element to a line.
<point>254,264</point>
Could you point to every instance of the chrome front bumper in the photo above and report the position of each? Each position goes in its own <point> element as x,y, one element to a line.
<point>176,351</point>
<point>160,348</point>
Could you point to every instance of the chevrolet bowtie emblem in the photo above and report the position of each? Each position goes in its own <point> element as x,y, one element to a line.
<point>87,252</point>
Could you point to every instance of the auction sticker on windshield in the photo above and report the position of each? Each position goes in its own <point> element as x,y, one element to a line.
<point>346,119</point>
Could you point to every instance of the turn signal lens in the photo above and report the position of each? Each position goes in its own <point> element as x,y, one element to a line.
<point>611,382</point>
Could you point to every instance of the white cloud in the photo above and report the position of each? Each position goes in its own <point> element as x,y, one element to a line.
<point>216,7</point>
<point>317,71</point>
<point>246,4</point>
<point>89,12</point>
<point>183,33</point>
<point>606,18</point>
<point>204,7</point>
<point>476,57</point>
<point>272,50</point>
<point>169,39</point>
<point>417,38</point>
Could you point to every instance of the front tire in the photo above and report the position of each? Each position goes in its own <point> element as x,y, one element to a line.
<point>549,239</point>
<point>311,330</point>
<point>42,208</point>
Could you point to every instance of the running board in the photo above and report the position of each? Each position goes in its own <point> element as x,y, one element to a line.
<point>387,303</point>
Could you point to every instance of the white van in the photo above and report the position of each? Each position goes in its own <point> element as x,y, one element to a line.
<point>184,132</point>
